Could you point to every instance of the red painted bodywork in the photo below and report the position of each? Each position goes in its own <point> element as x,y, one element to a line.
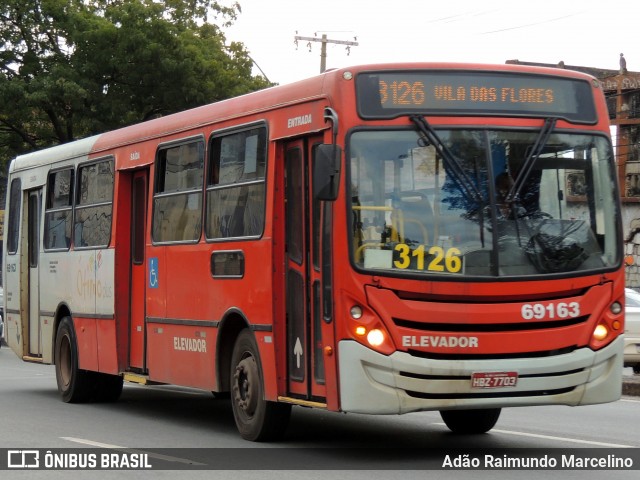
<point>189,303</point>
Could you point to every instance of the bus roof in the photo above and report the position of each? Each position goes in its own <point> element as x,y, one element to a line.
<point>320,86</point>
<point>54,154</point>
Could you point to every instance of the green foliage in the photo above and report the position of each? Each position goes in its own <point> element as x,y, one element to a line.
<point>74,68</point>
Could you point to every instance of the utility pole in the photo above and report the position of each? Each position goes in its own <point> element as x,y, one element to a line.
<point>323,50</point>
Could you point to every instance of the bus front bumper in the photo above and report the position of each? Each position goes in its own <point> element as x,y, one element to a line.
<point>400,383</point>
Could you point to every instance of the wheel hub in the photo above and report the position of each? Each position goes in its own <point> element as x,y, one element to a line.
<point>245,385</point>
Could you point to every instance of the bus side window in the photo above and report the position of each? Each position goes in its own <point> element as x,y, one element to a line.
<point>254,210</point>
<point>178,193</point>
<point>236,185</point>
<point>94,204</point>
<point>77,239</point>
<point>13,232</point>
<point>58,210</point>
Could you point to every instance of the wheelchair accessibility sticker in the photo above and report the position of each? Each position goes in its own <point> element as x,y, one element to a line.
<point>153,272</point>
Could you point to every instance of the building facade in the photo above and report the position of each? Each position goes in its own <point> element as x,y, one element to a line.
<point>622,91</point>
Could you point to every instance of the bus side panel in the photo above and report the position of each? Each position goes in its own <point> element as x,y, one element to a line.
<point>106,325</point>
<point>13,318</point>
<point>182,355</point>
<point>180,350</point>
<point>83,280</point>
<point>48,338</point>
<point>87,343</point>
<point>156,296</point>
<point>80,266</point>
<point>253,297</point>
<point>62,286</point>
<point>107,351</point>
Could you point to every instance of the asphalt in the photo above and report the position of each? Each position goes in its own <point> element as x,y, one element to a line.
<point>631,385</point>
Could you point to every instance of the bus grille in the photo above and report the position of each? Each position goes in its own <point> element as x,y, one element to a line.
<point>490,356</point>
<point>491,327</point>
<point>536,393</point>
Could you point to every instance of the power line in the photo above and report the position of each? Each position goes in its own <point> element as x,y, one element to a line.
<point>543,22</point>
<point>323,50</point>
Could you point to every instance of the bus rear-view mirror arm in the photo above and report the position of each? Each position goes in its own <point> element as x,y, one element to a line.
<point>326,163</point>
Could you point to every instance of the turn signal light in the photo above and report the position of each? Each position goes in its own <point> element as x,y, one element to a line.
<point>366,328</point>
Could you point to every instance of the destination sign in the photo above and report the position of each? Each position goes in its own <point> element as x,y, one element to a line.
<point>391,94</point>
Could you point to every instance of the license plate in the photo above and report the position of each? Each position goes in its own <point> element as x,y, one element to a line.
<point>494,379</point>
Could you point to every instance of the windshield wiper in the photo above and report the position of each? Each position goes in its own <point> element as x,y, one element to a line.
<point>529,162</point>
<point>453,165</point>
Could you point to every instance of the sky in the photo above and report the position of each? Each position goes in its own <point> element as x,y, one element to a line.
<point>579,32</point>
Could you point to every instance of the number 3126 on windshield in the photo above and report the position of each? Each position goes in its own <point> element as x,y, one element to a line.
<point>439,259</point>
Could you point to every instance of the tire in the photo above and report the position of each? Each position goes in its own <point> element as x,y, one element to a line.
<point>256,419</point>
<point>470,421</point>
<point>74,385</point>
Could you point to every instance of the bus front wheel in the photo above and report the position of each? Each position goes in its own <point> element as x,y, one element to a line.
<point>470,421</point>
<point>256,418</point>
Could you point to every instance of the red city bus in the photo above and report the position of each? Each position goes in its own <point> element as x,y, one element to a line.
<point>380,239</point>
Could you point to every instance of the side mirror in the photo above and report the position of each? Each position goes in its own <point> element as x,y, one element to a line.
<point>326,171</point>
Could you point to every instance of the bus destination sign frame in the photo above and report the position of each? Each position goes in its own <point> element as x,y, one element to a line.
<point>390,94</point>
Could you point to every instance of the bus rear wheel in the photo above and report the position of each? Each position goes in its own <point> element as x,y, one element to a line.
<point>256,418</point>
<point>73,384</point>
<point>470,421</point>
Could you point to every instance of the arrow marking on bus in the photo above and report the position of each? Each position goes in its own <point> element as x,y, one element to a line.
<point>297,351</point>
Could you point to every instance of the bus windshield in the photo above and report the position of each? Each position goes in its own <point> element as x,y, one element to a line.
<point>481,202</point>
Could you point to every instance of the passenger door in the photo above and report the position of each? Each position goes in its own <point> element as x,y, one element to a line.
<point>34,204</point>
<point>305,357</point>
<point>137,330</point>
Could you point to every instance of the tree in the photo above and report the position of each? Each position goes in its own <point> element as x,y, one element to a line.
<point>74,68</point>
